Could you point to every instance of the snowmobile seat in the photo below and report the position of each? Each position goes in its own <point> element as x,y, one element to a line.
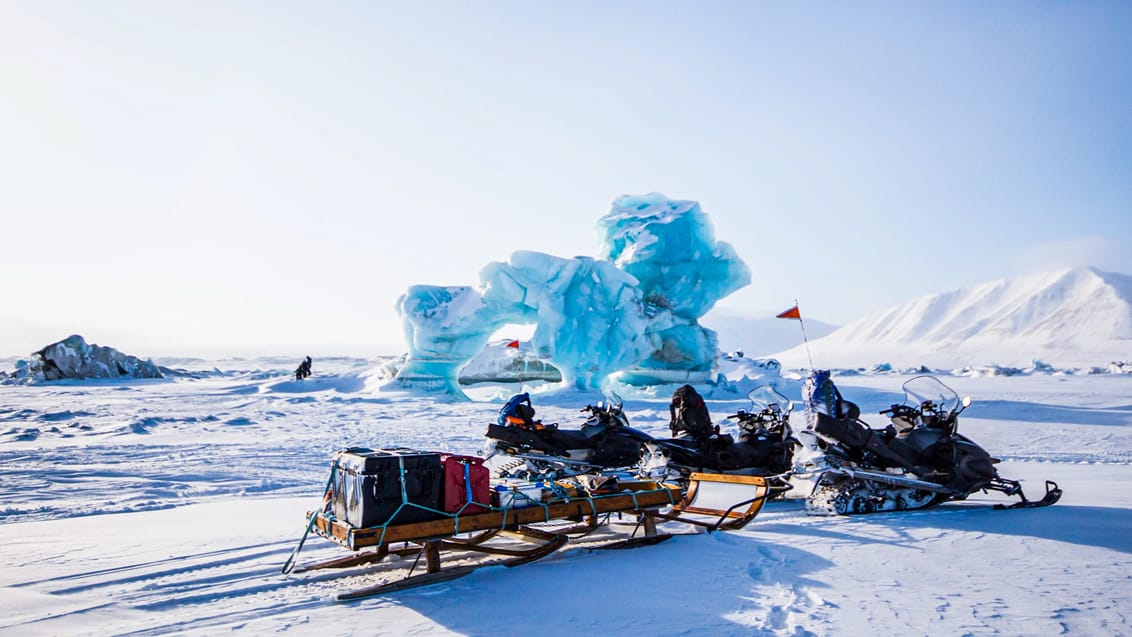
<point>848,432</point>
<point>855,435</point>
<point>920,439</point>
<point>566,439</point>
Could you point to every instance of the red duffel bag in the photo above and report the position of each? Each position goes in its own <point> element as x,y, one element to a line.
<point>466,481</point>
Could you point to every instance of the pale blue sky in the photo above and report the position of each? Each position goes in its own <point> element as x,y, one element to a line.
<point>210,177</point>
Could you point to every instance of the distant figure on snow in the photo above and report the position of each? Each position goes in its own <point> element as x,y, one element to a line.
<point>304,369</point>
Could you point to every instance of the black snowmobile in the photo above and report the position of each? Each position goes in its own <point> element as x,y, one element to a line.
<point>919,460</point>
<point>765,446</point>
<point>605,440</point>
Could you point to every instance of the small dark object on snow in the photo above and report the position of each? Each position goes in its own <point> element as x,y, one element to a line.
<point>304,369</point>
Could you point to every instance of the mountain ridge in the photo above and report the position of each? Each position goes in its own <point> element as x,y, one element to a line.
<point>1072,316</point>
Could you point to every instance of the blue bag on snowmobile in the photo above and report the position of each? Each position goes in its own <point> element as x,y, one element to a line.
<point>518,412</point>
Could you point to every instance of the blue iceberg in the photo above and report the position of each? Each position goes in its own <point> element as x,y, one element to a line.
<point>589,317</point>
<point>445,328</point>
<point>670,247</point>
<point>632,311</point>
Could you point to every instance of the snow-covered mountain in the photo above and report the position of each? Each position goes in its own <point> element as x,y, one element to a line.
<point>1076,317</point>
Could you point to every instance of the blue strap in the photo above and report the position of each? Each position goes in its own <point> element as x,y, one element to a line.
<point>289,565</point>
<point>467,482</point>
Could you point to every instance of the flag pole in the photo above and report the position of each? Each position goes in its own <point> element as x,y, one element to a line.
<point>514,343</point>
<point>795,313</point>
<point>805,340</point>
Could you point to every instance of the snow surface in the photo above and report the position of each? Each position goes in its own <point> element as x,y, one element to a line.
<point>1076,317</point>
<point>150,507</point>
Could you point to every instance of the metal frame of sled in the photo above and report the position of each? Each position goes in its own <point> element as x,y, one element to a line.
<point>472,534</point>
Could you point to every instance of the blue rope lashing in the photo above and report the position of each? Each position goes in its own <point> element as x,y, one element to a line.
<point>467,495</point>
<point>404,493</point>
<point>467,484</point>
<point>289,565</point>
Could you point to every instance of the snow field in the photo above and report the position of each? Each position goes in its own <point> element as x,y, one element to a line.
<point>181,525</point>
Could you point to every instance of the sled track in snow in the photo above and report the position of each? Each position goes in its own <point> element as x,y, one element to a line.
<point>145,478</point>
<point>246,577</point>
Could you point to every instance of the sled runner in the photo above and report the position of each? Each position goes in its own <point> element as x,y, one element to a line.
<point>453,544</point>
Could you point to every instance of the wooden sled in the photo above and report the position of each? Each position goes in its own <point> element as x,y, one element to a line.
<point>719,502</point>
<point>494,533</point>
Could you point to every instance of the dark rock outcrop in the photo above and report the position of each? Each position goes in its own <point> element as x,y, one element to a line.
<point>74,358</point>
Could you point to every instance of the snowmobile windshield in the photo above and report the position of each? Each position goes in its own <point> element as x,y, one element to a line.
<point>612,401</point>
<point>765,397</point>
<point>925,389</point>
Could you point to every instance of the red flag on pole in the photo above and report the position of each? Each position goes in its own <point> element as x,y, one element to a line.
<point>514,344</point>
<point>792,313</point>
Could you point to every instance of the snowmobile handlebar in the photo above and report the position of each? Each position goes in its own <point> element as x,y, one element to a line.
<point>610,415</point>
<point>769,414</point>
<point>901,410</point>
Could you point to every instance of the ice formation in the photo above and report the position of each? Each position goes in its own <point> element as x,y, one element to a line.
<point>670,247</point>
<point>632,310</point>
<point>502,362</point>
<point>74,358</point>
<point>445,328</point>
<point>589,317</point>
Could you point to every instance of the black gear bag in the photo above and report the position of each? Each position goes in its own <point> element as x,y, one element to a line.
<point>689,414</point>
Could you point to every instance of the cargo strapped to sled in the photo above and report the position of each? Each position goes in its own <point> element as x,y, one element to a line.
<point>634,497</point>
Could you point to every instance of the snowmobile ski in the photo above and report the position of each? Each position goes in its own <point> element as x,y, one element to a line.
<point>1053,494</point>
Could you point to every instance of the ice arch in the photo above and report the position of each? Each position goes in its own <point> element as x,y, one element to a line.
<point>634,309</point>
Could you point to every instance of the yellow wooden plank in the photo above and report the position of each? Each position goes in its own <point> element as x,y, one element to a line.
<point>728,477</point>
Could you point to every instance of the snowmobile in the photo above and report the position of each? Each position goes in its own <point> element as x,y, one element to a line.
<point>765,446</point>
<point>919,460</point>
<point>521,446</point>
<point>605,440</point>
